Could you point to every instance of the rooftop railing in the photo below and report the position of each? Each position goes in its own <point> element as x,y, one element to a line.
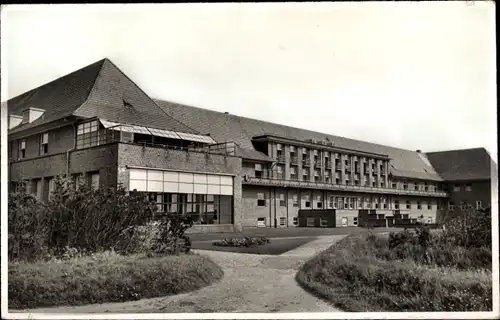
<point>321,184</point>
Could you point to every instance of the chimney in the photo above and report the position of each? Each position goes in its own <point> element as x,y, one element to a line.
<point>14,121</point>
<point>31,114</point>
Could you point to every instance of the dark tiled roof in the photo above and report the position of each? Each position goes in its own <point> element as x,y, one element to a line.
<point>98,90</point>
<point>59,98</point>
<point>462,165</point>
<point>227,127</point>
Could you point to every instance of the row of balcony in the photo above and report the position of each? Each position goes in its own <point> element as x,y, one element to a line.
<point>327,184</point>
<point>328,165</point>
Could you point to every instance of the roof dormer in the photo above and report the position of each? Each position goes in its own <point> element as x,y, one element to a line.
<point>31,114</point>
<point>14,121</point>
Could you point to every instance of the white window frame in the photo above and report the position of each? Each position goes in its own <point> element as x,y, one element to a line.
<point>479,204</point>
<point>22,149</point>
<point>44,142</point>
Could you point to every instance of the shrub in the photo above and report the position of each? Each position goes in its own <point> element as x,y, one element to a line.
<point>356,281</point>
<point>27,226</point>
<point>93,219</point>
<point>472,229</point>
<point>241,242</point>
<point>87,220</point>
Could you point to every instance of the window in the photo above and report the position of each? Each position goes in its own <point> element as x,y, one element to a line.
<point>382,184</point>
<point>94,180</point>
<point>456,188</point>
<point>374,184</point>
<point>282,200</point>
<point>44,143</point>
<point>404,216</point>
<point>22,149</point>
<point>295,221</point>
<point>310,221</point>
<point>293,173</point>
<point>282,221</point>
<point>307,203</point>
<point>468,187</point>
<point>351,203</point>
<point>429,205</point>
<point>305,174</point>
<point>355,221</point>
<point>295,201</point>
<point>87,134</point>
<point>438,205</point>
<point>408,205</point>
<point>463,206</point>
<point>426,187</point>
<point>261,222</point>
<point>451,206</point>
<point>323,222</point>
<point>261,200</point>
<point>37,185</point>
<point>380,216</point>
<point>258,170</point>
<point>396,204</point>
<point>416,186</point>
<point>405,185</point>
<point>419,205</point>
<point>278,147</point>
<point>279,172</point>
<point>479,204</point>
<point>52,186</point>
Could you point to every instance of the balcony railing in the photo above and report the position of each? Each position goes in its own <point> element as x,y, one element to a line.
<point>306,162</point>
<point>317,164</point>
<point>294,160</point>
<point>280,159</point>
<point>341,187</point>
<point>328,165</point>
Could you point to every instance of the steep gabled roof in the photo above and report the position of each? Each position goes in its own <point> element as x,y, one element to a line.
<point>227,127</point>
<point>59,98</point>
<point>98,90</point>
<point>462,165</point>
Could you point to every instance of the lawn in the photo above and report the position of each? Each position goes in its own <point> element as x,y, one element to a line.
<point>275,247</point>
<point>360,274</point>
<point>107,278</point>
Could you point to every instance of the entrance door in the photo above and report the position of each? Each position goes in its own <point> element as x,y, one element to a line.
<point>344,222</point>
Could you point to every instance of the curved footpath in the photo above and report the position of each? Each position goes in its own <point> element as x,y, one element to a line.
<point>251,283</point>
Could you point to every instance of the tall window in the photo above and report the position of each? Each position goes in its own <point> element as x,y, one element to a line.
<point>408,205</point>
<point>87,134</point>
<point>396,204</point>
<point>22,149</point>
<point>94,180</point>
<point>293,173</point>
<point>258,170</point>
<point>44,143</point>
<point>295,200</point>
<point>261,200</point>
<point>52,186</point>
<point>282,200</point>
<point>479,204</point>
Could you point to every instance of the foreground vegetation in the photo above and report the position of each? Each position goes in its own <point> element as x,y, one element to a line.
<point>106,277</point>
<point>446,270</point>
<point>88,246</point>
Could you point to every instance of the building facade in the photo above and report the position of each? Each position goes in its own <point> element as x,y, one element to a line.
<point>226,172</point>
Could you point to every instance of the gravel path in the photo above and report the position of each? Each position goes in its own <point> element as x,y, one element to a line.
<point>251,283</point>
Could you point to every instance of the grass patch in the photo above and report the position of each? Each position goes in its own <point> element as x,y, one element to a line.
<point>112,278</point>
<point>360,274</point>
<point>275,247</point>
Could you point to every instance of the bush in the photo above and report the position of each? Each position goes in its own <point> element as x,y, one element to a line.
<point>352,275</point>
<point>87,220</point>
<point>241,242</point>
<point>472,229</point>
<point>163,236</point>
<point>28,226</point>
<point>106,277</point>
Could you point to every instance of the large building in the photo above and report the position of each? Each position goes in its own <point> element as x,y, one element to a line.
<point>225,171</point>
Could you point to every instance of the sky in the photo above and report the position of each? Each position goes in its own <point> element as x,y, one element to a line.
<point>413,75</point>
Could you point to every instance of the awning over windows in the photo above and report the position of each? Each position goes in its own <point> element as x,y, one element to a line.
<point>156,132</point>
